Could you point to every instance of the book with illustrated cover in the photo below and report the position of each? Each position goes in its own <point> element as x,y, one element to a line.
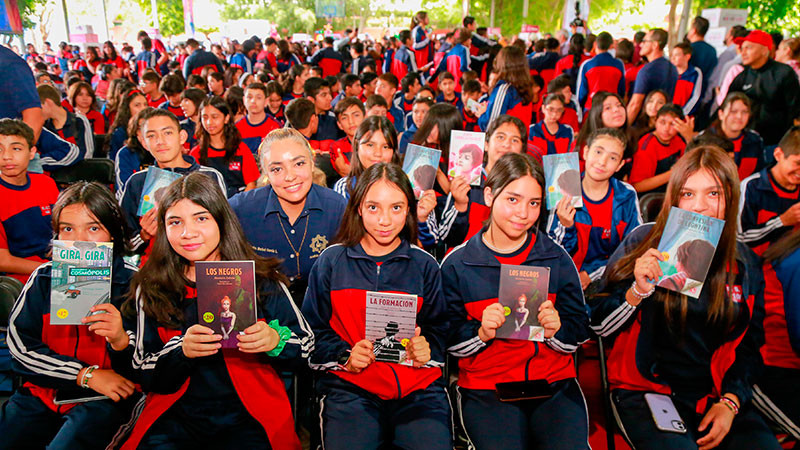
<point>420,166</point>
<point>688,244</point>
<point>466,156</point>
<point>154,182</point>
<point>390,322</point>
<point>522,290</point>
<point>226,297</point>
<point>562,175</point>
<point>80,278</point>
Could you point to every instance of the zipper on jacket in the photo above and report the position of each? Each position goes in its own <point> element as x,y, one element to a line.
<point>77,342</point>
<point>528,364</point>
<point>378,278</point>
<point>396,378</point>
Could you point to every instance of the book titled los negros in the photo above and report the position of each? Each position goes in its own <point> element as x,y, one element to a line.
<point>154,184</point>
<point>687,246</point>
<point>226,297</point>
<point>390,322</point>
<point>522,290</point>
<point>80,278</point>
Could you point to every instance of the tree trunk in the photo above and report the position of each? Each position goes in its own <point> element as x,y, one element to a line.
<point>673,29</point>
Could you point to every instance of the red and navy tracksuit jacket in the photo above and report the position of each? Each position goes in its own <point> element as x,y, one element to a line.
<point>253,134</point>
<point>455,101</point>
<point>404,104</point>
<point>286,64</point>
<point>76,130</point>
<point>49,357</point>
<point>471,280</point>
<point>599,227</point>
<point>146,60</point>
<point>335,307</point>
<point>155,360</point>
<point>242,61</point>
<point>478,212</point>
<point>571,116</point>
<point>601,73</point>
<point>289,96</point>
<point>176,110</point>
<point>278,116</point>
<point>782,321</point>
<point>25,218</point>
<point>199,60</point>
<point>128,162</point>
<point>762,201</point>
<point>131,197</point>
<point>97,120</point>
<point>423,46</point>
<point>544,64</point>
<point>56,152</point>
<point>388,56</point>
<point>541,142</point>
<point>457,62</point>
<point>328,131</point>
<point>342,148</point>
<point>329,60</point>
<point>505,99</point>
<point>237,172</point>
<point>748,150</point>
<point>565,66</point>
<point>157,102</point>
<point>688,90</point>
<point>654,158</point>
<point>403,62</point>
<point>708,363</point>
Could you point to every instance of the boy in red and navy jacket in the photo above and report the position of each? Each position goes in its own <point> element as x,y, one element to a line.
<point>689,87</point>
<point>328,59</point>
<point>256,123</point>
<point>604,72</point>
<point>71,127</point>
<point>404,60</point>
<point>769,205</point>
<point>25,229</point>
<point>350,113</point>
<point>318,92</point>
<point>658,151</point>
<point>447,91</point>
<point>172,86</point>
<point>457,59</point>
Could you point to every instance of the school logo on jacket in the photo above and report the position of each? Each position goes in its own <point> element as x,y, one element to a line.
<point>318,244</point>
<point>735,293</point>
<point>606,233</point>
<point>45,210</point>
<point>235,166</point>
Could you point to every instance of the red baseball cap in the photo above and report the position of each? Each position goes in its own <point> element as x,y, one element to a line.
<point>760,37</point>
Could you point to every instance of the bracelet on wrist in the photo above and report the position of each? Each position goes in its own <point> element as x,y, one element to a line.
<point>641,295</point>
<point>730,404</point>
<point>284,333</point>
<point>87,374</point>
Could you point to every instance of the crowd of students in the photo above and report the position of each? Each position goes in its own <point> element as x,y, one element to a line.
<point>290,156</point>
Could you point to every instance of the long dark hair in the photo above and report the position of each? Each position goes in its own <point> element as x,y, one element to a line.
<point>123,117</point>
<point>446,118</point>
<point>369,126</point>
<point>509,168</point>
<point>730,99</point>
<point>511,66</point>
<point>641,125</point>
<point>99,200</point>
<point>76,89</point>
<point>229,132</point>
<point>417,19</point>
<point>576,48</point>
<point>133,144</point>
<point>296,71</point>
<point>594,121</point>
<point>161,282</point>
<point>352,228</point>
<point>783,248</point>
<point>284,52</point>
<point>723,270</point>
<point>113,51</point>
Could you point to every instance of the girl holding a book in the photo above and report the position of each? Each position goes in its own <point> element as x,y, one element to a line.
<point>375,141</point>
<point>702,353</point>
<point>57,361</point>
<point>402,404</point>
<point>471,277</point>
<point>197,394</point>
<point>220,146</point>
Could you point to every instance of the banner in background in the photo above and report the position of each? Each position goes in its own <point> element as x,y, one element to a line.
<point>10,21</point>
<point>188,17</point>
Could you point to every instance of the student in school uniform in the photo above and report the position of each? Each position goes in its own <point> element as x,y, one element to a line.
<point>404,60</point>
<point>172,86</point>
<point>512,90</point>
<point>69,126</point>
<point>470,283</point>
<point>349,115</point>
<point>386,87</point>
<point>28,198</point>
<point>70,360</point>
<point>220,146</point>
<point>689,87</point>
<point>770,206</point>
<point>702,353</point>
<point>197,394</point>
<point>573,114</point>
<point>293,87</point>
<point>257,123</point>
<point>405,405</point>
<point>409,88</point>
<point>471,90</point>
<point>292,218</point>
<point>610,208</point>
<point>447,91</point>
<point>149,84</point>
<point>163,138</point>
<point>423,45</point>
<point>418,112</point>
<point>374,141</point>
<point>549,137</point>
<point>657,153</point>
<point>319,92</point>
<point>731,124</point>
<point>191,99</point>
<point>775,393</point>
<point>133,157</point>
<point>132,102</point>
<point>83,100</point>
<point>275,107</point>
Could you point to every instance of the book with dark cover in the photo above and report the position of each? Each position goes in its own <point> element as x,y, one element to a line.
<point>522,290</point>
<point>226,297</point>
<point>420,166</point>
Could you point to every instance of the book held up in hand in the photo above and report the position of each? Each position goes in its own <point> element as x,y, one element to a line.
<point>420,166</point>
<point>466,156</point>
<point>226,297</point>
<point>522,290</point>
<point>562,176</point>
<point>154,184</point>
<point>80,278</point>
<point>688,244</point>
<point>390,322</point>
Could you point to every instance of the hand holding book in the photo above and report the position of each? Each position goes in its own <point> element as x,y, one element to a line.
<point>108,325</point>
<point>646,272</point>
<point>258,338</point>
<point>549,319</point>
<point>361,356</point>
<point>565,211</point>
<point>200,341</point>
<point>418,349</point>
<point>460,190</point>
<point>426,204</point>
<point>493,318</point>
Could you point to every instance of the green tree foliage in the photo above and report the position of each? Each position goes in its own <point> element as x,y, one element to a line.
<point>772,15</point>
<point>170,15</point>
<point>27,11</point>
<point>293,15</point>
<point>508,13</point>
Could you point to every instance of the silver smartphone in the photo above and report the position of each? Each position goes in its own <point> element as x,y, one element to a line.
<point>665,415</point>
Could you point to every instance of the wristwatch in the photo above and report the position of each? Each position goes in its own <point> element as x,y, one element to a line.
<point>343,357</point>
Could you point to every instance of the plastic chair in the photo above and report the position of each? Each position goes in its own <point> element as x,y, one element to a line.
<point>99,146</point>
<point>650,205</point>
<point>10,289</point>
<point>92,169</point>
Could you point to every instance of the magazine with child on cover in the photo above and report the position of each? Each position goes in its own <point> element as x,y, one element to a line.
<point>466,156</point>
<point>420,165</point>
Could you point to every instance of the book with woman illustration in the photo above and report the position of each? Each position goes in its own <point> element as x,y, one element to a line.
<point>154,183</point>
<point>688,245</point>
<point>390,322</point>
<point>522,290</point>
<point>563,177</point>
<point>226,297</point>
<point>466,156</point>
<point>420,165</point>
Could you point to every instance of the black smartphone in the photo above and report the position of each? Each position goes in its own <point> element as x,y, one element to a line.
<point>523,390</point>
